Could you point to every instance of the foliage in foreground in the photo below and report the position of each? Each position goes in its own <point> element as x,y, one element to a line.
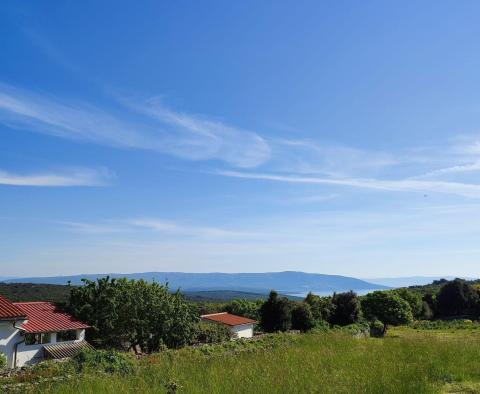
<point>212,333</point>
<point>133,314</point>
<point>327,363</point>
<point>108,361</point>
<point>388,307</point>
<point>3,361</point>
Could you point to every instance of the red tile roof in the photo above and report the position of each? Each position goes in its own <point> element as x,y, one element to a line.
<point>228,319</point>
<point>9,311</point>
<point>46,317</point>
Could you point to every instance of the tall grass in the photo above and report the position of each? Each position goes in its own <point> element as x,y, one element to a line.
<point>317,363</point>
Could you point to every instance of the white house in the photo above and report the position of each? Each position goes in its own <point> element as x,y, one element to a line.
<point>33,331</point>
<point>241,327</point>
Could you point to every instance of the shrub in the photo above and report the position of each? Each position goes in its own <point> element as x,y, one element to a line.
<point>376,329</point>
<point>427,313</point>
<point>445,325</point>
<point>109,361</point>
<point>346,308</point>
<point>212,333</point>
<point>321,326</point>
<point>322,307</point>
<point>357,329</point>
<point>3,361</point>
<point>276,313</point>
<point>457,298</point>
<point>302,318</point>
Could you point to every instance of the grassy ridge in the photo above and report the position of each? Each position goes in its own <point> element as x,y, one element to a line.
<point>34,292</point>
<point>408,361</point>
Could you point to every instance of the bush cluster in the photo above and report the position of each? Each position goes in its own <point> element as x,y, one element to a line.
<point>3,361</point>
<point>108,361</point>
<point>212,333</point>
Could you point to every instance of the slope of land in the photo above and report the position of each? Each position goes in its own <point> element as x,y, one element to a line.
<point>407,361</point>
<point>34,292</point>
<point>410,280</point>
<point>60,293</point>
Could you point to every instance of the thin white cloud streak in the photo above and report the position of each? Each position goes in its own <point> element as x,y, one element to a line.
<point>144,125</point>
<point>155,225</point>
<point>404,185</point>
<point>201,138</point>
<point>304,156</point>
<point>173,228</point>
<point>72,177</point>
<point>459,169</point>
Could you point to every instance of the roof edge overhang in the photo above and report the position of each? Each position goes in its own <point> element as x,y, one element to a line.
<point>13,318</point>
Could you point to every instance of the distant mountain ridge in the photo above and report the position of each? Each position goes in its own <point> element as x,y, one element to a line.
<point>285,282</point>
<point>410,280</point>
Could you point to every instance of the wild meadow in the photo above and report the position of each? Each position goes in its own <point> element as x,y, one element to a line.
<point>407,360</point>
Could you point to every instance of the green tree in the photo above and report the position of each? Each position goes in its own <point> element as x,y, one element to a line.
<point>276,313</point>
<point>346,310</point>
<point>245,308</point>
<point>302,317</point>
<point>131,314</point>
<point>413,299</point>
<point>388,307</point>
<point>457,297</point>
<point>322,307</point>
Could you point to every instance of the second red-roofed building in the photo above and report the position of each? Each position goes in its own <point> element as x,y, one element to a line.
<point>240,327</point>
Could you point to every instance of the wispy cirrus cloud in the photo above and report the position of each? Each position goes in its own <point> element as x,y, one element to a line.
<point>156,225</point>
<point>457,169</point>
<point>137,124</point>
<point>67,177</point>
<point>402,185</point>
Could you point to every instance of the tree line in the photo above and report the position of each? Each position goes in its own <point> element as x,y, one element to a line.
<point>129,314</point>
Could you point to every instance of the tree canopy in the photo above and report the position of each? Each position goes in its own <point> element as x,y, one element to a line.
<point>302,317</point>
<point>346,310</point>
<point>388,307</point>
<point>133,314</point>
<point>276,313</point>
<point>457,298</point>
<point>322,307</point>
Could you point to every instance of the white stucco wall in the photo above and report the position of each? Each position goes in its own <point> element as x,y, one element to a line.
<point>8,337</point>
<point>26,354</point>
<point>243,331</point>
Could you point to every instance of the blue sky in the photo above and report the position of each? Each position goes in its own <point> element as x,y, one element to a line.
<point>331,137</point>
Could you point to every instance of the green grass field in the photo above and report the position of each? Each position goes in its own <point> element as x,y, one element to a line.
<point>407,361</point>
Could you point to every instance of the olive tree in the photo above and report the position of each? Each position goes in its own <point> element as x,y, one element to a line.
<point>387,307</point>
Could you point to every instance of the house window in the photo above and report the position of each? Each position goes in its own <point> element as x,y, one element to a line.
<point>37,339</point>
<point>64,336</point>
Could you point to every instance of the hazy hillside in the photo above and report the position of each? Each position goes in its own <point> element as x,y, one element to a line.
<point>407,281</point>
<point>285,282</point>
<point>34,292</point>
<point>60,293</point>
